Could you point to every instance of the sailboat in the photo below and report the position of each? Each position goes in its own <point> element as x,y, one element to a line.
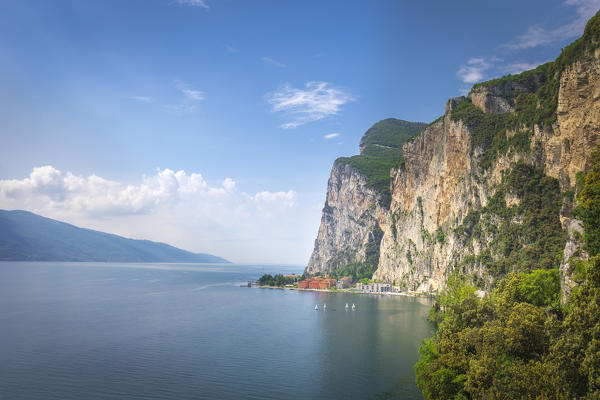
<point>324,306</point>
<point>347,306</point>
<point>316,307</point>
<point>353,306</point>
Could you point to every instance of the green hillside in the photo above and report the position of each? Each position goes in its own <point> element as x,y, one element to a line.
<point>381,150</point>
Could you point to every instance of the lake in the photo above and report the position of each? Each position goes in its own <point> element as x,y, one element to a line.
<point>189,331</point>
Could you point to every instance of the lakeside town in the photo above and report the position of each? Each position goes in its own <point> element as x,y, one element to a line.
<point>327,283</point>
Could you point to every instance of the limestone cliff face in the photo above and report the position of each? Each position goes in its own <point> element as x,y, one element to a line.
<point>567,146</point>
<point>348,229</point>
<point>497,99</point>
<point>441,182</point>
<point>431,191</point>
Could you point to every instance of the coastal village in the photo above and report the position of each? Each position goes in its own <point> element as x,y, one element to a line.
<point>293,281</point>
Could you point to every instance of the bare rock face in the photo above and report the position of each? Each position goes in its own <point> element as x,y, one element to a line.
<point>496,99</point>
<point>567,146</point>
<point>431,196</point>
<point>349,222</point>
<point>573,248</point>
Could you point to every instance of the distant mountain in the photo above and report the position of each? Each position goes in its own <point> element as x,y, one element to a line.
<point>25,236</point>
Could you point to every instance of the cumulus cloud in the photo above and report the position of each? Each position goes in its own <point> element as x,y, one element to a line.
<point>537,35</point>
<point>473,70</point>
<point>194,3</point>
<point>269,60</point>
<point>51,188</point>
<point>316,101</point>
<point>48,188</point>
<point>331,135</point>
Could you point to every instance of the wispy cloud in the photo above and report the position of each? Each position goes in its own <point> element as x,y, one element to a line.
<point>180,109</point>
<point>316,101</point>
<point>269,60</point>
<point>473,70</point>
<point>191,94</point>
<point>143,98</point>
<point>231,49</point>
<point>194,3</point>
<point>331,135</point>
<point>538,35</point>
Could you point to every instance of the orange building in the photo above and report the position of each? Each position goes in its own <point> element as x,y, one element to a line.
<point>327,283</point>
<point>303,284</point>
<point>317,283</point>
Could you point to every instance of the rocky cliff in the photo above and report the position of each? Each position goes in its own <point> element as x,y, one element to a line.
<point>349,231</point>
<point>486,189</point>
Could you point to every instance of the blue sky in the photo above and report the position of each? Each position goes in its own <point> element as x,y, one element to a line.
<point>212,125</point>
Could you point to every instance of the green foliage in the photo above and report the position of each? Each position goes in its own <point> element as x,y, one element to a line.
<point>277,280</point>
<point>356,271</point>
<point>381,150</point>
<point>540,288</point>
<point>515,343</point>
<point>588,209</point>
<point>525,236</point>
<point>390,132</point>
<point>439,236</point>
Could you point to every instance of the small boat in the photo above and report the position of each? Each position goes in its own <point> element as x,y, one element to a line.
<point>324,306</point>
<point>353,306</point>
<point>347,306</point>
<point>316,307</point>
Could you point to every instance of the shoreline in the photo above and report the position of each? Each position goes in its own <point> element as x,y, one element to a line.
<point>406,294</point>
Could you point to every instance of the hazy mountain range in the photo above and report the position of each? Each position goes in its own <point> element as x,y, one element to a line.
<point>25,236</point>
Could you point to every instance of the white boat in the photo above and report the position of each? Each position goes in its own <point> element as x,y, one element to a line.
<point>316,307</point>
<point>324,306</point>
<point>347,306</point>
<point>353,306</point>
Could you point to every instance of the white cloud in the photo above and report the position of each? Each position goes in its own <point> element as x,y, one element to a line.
<point>191,94</point>
<point>194,3</point>
<point>316,101</point>
<point>537,35</point>
<point>175,207</point>
<point>48,188</point>
<point>284,199</point>
<point>269,60</point>
<point>473,71</point>
<point>331,135</point>
<point>229,184</point>
<point>143,98</point>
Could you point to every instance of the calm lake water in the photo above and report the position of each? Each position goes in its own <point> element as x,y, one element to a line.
<point>186,331</point>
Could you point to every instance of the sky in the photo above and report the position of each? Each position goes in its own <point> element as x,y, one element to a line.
<point>212,125</point>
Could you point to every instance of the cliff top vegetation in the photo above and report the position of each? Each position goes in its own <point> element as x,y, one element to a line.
<point>380,151</point>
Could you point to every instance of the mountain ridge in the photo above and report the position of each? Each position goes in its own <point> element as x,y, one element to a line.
<point>25,236</point>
